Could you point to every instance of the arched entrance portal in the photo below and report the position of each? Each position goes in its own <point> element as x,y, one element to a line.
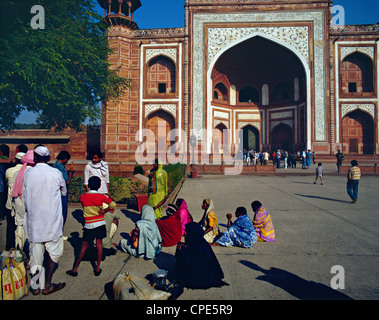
<point>269,79</point>
<point>160,123</point>
<point>219,140</point>
<point>358,133</point>
<point>281,137</point>
<point>250,138</point>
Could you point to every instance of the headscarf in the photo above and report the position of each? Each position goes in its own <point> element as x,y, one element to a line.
<point>27,158</point>
<point>171,209</point>
<point>149,243</point>
<point>210,209</point>
<point>185,216</point>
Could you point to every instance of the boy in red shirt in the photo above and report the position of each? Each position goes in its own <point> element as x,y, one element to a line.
<point>94,227</point>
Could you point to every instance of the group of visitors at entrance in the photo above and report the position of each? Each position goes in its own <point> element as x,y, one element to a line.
<point>37,205</point>
<point>280,158</point>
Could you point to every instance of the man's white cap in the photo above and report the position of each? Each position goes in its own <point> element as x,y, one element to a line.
<point>19,155</point>
<point>42,151</point>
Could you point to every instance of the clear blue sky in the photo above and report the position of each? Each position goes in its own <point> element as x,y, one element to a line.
<point>170,14</point>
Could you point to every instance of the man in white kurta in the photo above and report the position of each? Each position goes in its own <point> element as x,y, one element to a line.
<point>43,187</point>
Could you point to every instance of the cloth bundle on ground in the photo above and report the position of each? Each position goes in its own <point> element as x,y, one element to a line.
<point>131,286</point>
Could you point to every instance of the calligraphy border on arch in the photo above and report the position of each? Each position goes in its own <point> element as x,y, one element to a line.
<point>198,52</point>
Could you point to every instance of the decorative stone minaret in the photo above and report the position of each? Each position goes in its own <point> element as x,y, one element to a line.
<point>120,12</point>
<point>119,121</point>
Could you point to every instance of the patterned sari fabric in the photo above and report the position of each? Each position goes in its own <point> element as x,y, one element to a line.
<point>241,233</point>
<point>263,225</point>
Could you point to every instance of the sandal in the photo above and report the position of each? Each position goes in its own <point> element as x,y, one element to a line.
<point>35,292</point>
<point>72,273</point>
<point>55,288</point>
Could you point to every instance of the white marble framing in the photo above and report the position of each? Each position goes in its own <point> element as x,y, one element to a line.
<point>199,50</point>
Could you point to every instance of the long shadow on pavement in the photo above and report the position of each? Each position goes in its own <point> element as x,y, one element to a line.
<point>296,286</point>
<point>132,215</point>
<point>321,198</point>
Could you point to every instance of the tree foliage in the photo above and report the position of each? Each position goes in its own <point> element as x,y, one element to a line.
<point>60,72</point>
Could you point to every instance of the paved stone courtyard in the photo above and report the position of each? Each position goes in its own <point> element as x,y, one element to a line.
<point>316,228</point>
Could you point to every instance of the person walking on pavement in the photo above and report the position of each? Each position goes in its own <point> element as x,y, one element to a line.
<point>340,158</point>
<point>319,173</point>
<point>353,177</point>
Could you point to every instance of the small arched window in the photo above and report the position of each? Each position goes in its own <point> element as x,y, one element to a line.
<point>281,92</point>
<point>357,74</point>
<point>221,92</point>
<point>161,76</point>
<point>249,94</point>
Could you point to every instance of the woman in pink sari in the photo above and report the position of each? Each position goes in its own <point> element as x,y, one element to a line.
<point>262,223</point>
<point>185,216</point>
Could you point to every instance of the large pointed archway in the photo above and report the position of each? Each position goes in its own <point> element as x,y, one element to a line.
<point>250,138</point>
<point>281,137</point>
<point>280,78</point>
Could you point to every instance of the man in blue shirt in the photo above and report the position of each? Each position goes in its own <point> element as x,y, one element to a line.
<point>62,159</point>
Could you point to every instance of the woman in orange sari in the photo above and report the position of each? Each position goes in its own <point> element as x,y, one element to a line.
<point>262,223</point>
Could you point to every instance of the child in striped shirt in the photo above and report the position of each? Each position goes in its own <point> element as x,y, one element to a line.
<point>94,227</point>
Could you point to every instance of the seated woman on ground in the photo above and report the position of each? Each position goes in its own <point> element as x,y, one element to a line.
<point>262,223</point>
<point>240,233</point>
<point>196,265</point>
<point>209,221</point>
<point>145,240</point>
<point>170,226</point>
<point>185,216</point>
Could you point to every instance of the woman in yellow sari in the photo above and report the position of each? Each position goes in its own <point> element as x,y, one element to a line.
<point>158,188</point>
<point>262,223</point>
<point>209,221</point>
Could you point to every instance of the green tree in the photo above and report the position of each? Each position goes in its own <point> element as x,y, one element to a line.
<point>60,72</point>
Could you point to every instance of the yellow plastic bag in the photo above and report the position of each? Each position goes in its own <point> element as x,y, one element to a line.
<point>13,279</point>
